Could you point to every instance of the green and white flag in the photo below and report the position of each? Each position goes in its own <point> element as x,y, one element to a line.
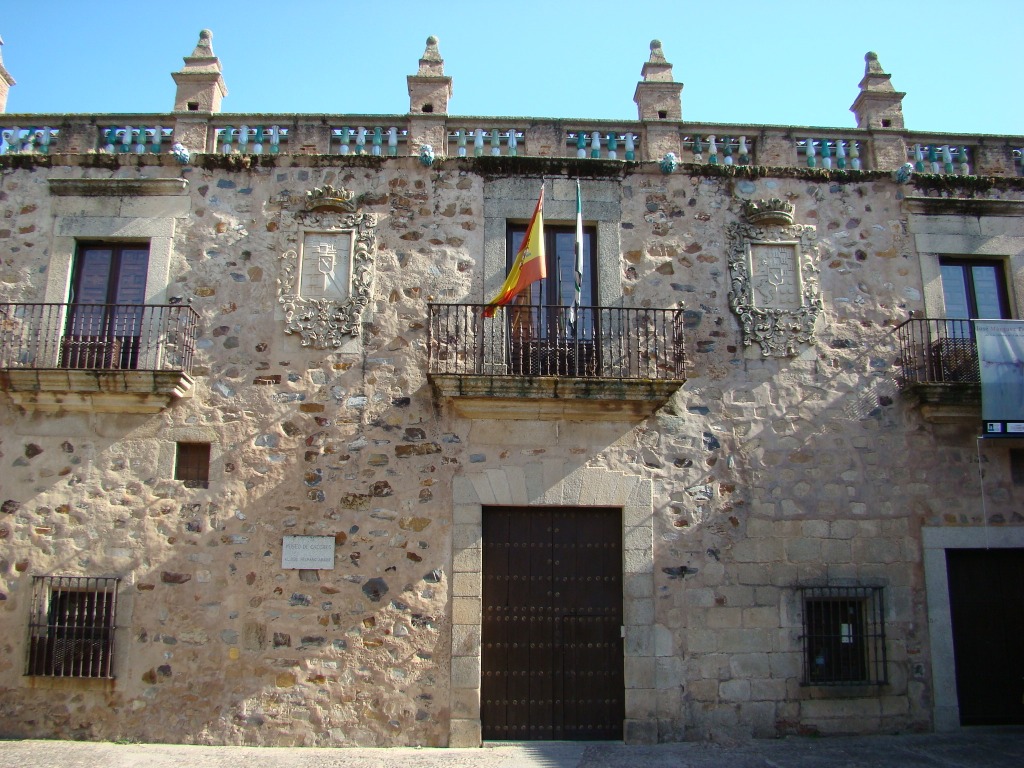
<point>578,270</point>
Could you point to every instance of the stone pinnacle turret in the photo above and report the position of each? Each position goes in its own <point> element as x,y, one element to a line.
<point>878,105</point>
<point>200,83</point>
<point>658,97</point>
<point>430,89</point>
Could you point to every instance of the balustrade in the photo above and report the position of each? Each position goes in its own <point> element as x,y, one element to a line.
<point>830,153</point>
<point>937,351</point>
<point>584,342</point>
<point>37,141</point>
<point>137,140</point>
<point>368,141</point>
<point>478,142</point>
<point>715,149</point>
<point>150,337</point>
<point>250,140</point>
<point>389,136</point>
<point>606,146</point>
<point>944,159</point>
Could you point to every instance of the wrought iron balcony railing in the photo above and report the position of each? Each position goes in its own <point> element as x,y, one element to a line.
<point>618,343</point>
<point>937,351</point>
<point>139,337</point>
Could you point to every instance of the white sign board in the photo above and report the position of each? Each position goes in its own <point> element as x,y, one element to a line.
<point>308,552</point>
<point>1000,345</point>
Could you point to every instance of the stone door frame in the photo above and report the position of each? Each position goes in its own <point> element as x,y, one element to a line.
<point>534,486</point>
<point>940,628</point>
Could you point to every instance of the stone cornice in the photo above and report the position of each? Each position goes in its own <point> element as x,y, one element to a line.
<point>116,187</point>
<point>973,206</point>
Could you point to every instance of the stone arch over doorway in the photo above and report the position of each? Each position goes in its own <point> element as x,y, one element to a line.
<point>537,485</point>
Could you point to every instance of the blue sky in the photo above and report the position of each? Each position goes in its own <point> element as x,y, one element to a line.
<point>778,62</point>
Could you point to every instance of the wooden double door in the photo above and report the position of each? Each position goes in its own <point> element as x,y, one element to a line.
<point>986,601</point>
<point>552,649</point>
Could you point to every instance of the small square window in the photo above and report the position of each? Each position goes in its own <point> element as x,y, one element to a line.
<point>192,464</point>
<point>843,636</point>
<point>71,629</point>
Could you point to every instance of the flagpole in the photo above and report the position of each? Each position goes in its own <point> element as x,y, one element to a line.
<point>578,267</point>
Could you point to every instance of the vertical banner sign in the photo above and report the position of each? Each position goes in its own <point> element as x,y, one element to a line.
<point>1001,362</point>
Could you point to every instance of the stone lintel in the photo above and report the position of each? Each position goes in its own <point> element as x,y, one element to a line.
<point>116,187</point>
<point>963,206</point>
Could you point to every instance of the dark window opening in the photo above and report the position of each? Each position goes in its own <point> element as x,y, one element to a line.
<point>548,334</point>
<point>428,108</point>
<point>974,288</point>
<point>71,630</point>
<point>193,106</point>
<point>971,289</point>
<point>192,464</point>
<point>886,123</point>
<point>105,317</point>
<point>662,114</point>
<point>1017,466</point>
<point>843,636</point>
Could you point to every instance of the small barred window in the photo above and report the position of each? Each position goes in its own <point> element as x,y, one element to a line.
<point>71,629</point>
<point>843,636</point>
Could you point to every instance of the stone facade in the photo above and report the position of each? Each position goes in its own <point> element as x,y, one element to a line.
<point>763,473</point>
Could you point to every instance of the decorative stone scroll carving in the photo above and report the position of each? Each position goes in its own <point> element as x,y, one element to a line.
<point>774,278</point>
<point>326,283</point>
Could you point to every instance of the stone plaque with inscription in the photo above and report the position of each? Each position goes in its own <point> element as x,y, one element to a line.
<point>308,552</point>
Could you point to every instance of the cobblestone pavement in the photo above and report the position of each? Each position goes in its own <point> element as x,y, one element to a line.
<point>996,748</point>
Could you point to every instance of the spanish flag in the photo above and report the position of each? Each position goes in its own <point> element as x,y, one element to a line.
<point>530,264</point>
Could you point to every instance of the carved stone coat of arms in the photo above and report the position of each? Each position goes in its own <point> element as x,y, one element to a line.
<point>773,278</point>
<point>326,282</point>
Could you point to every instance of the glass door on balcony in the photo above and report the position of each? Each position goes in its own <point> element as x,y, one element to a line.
<point>974,289</point>
<point>108,288</point>
<point>547,338</point>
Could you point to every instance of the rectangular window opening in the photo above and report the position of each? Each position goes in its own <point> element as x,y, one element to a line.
<point>192,464</point>
<point>71,628</point>
<point>843,636</point>
<point>107,323</point>
<point>548,334</point>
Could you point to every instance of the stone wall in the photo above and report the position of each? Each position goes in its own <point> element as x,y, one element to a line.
<point>765,473</point>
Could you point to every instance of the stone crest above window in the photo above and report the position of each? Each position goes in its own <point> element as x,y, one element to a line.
<point>327,279</point>
<point>773,275</point>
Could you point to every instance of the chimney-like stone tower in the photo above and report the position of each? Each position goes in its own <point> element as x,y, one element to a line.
<point>200,84</point>
<point>429,88</point>
<point>6,81</point>
<point>658,97</point>
<point>429,92</point>
<point>658,100</point>
<point>878,105</point>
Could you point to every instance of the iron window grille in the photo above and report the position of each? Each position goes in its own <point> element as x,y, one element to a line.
<point>192,464</point>
<point>71,629</point>
<point>843,636</point>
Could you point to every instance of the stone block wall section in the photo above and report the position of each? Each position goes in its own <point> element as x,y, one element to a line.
<point>761,475</point>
